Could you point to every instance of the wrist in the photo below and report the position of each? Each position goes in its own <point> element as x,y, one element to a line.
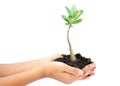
<point>46,70</point>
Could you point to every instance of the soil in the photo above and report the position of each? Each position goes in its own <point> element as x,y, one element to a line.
<point>80,62</point>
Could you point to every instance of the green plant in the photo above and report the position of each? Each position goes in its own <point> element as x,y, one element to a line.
<point>72,18</point>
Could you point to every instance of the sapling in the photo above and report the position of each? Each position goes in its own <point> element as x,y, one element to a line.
<point>74,60</point>
<point>72,18</point>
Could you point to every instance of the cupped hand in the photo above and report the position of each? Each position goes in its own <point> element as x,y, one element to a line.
<point>65,73</point>
<point>88,71</point>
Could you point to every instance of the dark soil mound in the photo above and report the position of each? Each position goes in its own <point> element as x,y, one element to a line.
<point>80,62</point>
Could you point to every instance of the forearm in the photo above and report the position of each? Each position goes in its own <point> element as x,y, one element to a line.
<point>9,69</point>
<point>22,79</point>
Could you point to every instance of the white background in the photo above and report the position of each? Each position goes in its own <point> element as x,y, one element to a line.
<point>31,29</point>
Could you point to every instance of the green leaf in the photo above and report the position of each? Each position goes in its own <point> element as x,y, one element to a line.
<point>69,12</point>
<point>66,18</point>
<point>77,13</point>
<point>81,12</point>
<point>67,23</point>
<point>77,21</point>
<point>73,9</point>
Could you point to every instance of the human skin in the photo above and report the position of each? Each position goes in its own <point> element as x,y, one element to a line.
<point>24,66</point>
<point>23,73</point>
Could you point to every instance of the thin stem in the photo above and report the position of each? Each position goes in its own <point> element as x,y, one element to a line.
<point>72,56</point>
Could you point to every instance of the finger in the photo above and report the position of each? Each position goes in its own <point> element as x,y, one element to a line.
<point>88,73</point>
<point>92,73</point>
<point>87,69</point>
<point>73,70</point>
<point>83,77</point>
<point>88,76</point>
<point>80,77</point>
<point>90,66</point>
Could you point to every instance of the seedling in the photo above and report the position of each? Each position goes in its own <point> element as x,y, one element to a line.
<point>72,18</point>
<point>74,60</point>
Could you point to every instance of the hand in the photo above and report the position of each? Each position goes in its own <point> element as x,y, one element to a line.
<point>66,74</point>
<point>26,72</point>
<point>88,71</point>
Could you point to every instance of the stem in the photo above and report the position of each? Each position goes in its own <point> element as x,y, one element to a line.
<point>72,55</point>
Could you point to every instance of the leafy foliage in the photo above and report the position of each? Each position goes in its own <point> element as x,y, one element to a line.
<point>73,16</point>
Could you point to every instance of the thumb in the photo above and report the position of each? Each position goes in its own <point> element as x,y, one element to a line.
<point>73,70</point>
